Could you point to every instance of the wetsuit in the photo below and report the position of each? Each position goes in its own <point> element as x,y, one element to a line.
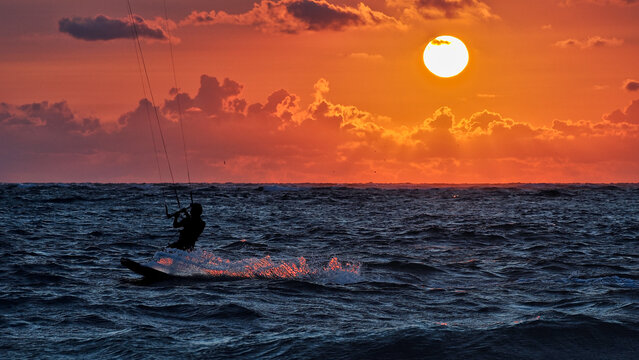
<point>192,228</point>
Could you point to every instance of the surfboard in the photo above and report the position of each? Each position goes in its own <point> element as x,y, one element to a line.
<point>146,271</point>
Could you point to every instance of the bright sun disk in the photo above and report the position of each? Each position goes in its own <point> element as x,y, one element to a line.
<point>446,56</point>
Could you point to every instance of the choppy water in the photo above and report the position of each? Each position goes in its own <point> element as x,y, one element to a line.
<point>303,271</point>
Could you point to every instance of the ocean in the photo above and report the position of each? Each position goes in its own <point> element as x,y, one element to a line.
<point>309,271</point>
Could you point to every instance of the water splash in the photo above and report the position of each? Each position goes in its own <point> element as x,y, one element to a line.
<point>205,263</point>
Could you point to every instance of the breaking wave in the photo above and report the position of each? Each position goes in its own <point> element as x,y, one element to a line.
<point>203,263</point>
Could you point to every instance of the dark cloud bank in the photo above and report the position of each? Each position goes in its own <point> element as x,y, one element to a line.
<point>104,28</point>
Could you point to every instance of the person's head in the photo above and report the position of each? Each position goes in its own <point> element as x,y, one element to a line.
<point>196,209</point>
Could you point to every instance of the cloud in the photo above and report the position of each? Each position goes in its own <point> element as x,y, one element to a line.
<point>631,85</point>
<point>440,42</point>
<point>628,115</point>
<point>546,27</point>
<point>444,9</point>
<point>591,42</point>
<point>213,98</point>
<point>600,2</point>
<point>366,56</point>
<point>37,139</point>
<point>295,16</point>
<point>278,140</point>
<point>55,118</point>
<point>101,27</point>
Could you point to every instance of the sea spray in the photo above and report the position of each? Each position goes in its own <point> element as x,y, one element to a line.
<point>201,262</point>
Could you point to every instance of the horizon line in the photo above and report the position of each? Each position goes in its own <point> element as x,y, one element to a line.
<point>317,183</point>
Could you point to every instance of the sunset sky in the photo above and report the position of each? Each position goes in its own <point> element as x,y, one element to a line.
<point>321,91</point>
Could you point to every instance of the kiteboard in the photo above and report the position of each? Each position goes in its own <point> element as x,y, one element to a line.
<point>146,271</point>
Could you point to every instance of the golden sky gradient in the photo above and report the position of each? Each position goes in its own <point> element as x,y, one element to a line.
<point>322,91</point>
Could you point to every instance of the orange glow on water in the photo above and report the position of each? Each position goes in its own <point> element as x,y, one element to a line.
<point>336,265</point>
<point>203,262</point>
<point>267,268</point>
<point>264,268</point>
<point>165,261</point>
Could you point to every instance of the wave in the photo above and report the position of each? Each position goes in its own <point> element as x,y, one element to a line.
<point>302,287</point>
<point>20,232</point>
<point>74,199</point>
<point>278,188</point>
<point>402,266</point>
<point>202,263</point>
<point>201,312</point>
<point>93,320</point>
<point>235,311</point>
<point>37,274</point>
<point>621,280</point>
<point>572,337</point>
<point>40,301</point>
<point>243,244</point>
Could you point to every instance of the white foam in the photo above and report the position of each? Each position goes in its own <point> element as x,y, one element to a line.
<point>205,263</point>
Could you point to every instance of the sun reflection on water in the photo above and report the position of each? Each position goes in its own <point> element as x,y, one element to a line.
<point>204,263</point>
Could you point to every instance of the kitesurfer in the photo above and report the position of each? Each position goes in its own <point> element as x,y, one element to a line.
<point>192,225</point>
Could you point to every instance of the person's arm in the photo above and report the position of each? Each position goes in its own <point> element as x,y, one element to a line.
<point>180,223</point>
<point>175,214</point>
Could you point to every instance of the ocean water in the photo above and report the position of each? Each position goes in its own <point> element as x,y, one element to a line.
<point>322,272</point>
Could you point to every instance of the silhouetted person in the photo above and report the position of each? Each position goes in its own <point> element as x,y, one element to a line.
<point>192,226</point>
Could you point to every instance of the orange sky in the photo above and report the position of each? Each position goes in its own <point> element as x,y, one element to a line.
<point>322,91</point>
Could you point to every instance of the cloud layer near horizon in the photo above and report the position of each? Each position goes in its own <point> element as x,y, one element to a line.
<point>280,141</point>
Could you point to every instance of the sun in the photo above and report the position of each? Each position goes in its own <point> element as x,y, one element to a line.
<point>446,56</point>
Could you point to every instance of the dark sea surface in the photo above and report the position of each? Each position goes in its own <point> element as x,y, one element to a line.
<point>322,272</point>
